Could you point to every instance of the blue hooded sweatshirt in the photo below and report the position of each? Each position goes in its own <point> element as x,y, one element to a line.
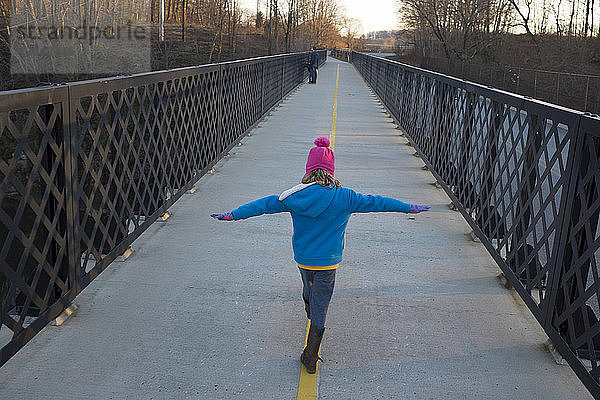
<point>320,215</point>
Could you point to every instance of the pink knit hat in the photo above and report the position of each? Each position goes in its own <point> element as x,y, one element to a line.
<point>321,156</point>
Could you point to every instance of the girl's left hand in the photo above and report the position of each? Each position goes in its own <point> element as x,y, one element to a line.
<point>228,216</point>
<point>417,208</point>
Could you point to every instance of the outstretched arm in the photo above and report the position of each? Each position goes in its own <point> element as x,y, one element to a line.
<point>364,203</point>
<point>417,208</point>
<point>266,205</point>
<point>228,216</point>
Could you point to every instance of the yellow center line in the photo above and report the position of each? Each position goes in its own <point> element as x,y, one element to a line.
<point>307,387</point>
<point>334,122</point>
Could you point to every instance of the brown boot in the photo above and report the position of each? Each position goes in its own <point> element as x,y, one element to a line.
<point>310,355</point>
<point>306,307</point>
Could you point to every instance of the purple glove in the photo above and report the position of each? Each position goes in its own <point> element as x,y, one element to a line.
<point>417,208</point>
<point>228,216</point>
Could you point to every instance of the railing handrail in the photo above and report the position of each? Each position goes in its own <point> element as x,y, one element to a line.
<point>153,74</point>
<point>467,84</point>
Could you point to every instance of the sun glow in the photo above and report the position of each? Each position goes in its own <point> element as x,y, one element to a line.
<point>374,15</point>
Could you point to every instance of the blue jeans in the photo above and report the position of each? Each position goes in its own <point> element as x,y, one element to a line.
<point>313,73</point>
<point>318,288</point>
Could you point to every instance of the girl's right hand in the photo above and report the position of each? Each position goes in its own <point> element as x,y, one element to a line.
<point>417,208</point>
<point>228,216</point>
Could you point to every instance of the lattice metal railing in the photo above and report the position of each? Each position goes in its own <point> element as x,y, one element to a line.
<point>86,167</point>
<point>526,176</point>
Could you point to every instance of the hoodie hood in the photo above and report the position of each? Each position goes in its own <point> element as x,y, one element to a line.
<point>309,200</point>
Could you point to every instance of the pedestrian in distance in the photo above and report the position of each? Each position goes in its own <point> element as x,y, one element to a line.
<point>320,209</point>
<point>313,65</point>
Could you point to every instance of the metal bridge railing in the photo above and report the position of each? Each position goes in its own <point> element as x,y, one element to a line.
<point>86,167</point>
<point>526,177</point>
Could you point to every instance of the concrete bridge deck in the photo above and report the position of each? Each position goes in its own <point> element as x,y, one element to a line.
<point>212,310</point>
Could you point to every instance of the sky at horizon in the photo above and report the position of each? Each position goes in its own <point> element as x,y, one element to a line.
<point>374,15</point>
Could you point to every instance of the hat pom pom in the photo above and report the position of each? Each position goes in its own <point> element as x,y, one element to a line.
<point>322,141</point>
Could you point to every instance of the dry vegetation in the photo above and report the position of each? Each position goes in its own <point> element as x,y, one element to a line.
<point>561,35</point>
<point>197,32</point>
<point>493,41</point>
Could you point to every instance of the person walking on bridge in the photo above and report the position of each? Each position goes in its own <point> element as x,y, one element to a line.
<point>313,65</point>
<point>320,208</point>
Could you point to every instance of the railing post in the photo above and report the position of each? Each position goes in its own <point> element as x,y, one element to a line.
<point>579,198</point>
<point>442,159</point>
<point>557,86</point>
<point>386,71</point>
<point>220,87</point>
<point>571,308</point>
<point>466,190</point>
<point>52,207</point>
<point>437,129</point>
<point>487,217</point>
<point>283,63</point>
<point>518,249</point>
<point>397,94</point>
<point>587,87</point>
<point>262,87</point>
<point>561,254</point>
<point>71,201</point>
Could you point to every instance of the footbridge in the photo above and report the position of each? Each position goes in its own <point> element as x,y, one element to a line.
<point>117,284</point>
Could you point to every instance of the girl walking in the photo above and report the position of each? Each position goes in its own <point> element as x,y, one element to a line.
<point>320,208</point>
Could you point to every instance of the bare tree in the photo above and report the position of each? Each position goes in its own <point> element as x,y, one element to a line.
<point>524,12</point>
<point>350,31</point>
<point>218,36</point>
<point>183,12</point>
<point>587,17</point>
<point>556,10</point>
<point>288,28</point>
<point>463,28</point>
<point>573,4</point>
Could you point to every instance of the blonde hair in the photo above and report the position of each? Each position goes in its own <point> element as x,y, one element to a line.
<point>321,177</point>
